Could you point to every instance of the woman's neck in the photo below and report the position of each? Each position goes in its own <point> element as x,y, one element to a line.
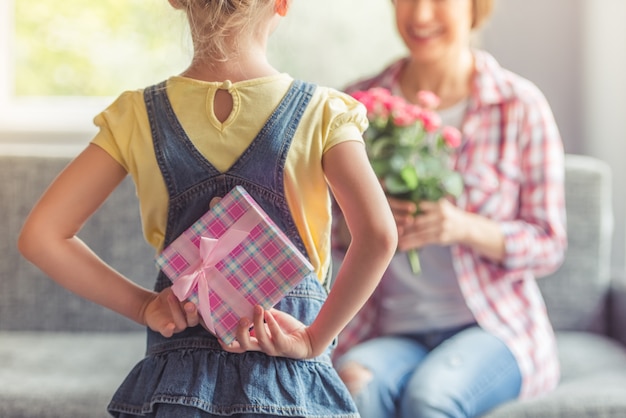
<point>451,81</point>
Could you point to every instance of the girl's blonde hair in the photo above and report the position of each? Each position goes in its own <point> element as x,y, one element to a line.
<point>482,12</point>
<point>214,23</point>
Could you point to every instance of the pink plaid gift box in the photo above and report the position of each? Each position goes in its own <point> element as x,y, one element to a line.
<point>231,259</point>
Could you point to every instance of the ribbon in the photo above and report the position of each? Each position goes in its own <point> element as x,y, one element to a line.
<point>206,278</point>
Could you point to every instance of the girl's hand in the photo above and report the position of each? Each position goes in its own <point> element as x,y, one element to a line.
<point>439,223</point>
<point>275,333</point>
<point>167,316</point>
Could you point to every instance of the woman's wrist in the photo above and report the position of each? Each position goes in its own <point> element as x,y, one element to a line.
<point>484,236</point>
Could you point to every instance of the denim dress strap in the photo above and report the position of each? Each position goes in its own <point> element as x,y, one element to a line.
<point>189,374</point>
<point>189,175</point>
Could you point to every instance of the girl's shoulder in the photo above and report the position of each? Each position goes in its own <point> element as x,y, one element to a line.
<point>125,111</point>
<point>335,108</point>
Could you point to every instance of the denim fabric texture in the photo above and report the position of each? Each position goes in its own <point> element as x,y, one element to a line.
<point>459,373</point>
<point>189,375</point>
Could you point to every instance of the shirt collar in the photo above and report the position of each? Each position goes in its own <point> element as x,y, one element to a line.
<point>490,85</point>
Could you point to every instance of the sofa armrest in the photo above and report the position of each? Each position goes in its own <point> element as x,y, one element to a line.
<point>617,309</point>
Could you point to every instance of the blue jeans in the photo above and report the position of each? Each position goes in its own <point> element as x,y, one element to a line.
<point>455,374</point>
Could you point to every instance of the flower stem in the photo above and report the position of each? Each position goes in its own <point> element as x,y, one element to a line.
<point>414,260</point>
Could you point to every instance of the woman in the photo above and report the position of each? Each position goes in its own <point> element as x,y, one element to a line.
<point>470,331</point>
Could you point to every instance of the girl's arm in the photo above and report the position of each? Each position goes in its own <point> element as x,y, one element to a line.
<point>48,240</point>
<point>374,239</point>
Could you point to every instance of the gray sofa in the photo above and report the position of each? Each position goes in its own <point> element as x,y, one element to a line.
<point>61,356</point>
<point>587,307</point>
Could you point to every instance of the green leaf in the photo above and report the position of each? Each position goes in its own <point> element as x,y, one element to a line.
<point>381,167</point>
<point>380,147</point>
<point>409,177</point>
<point>395,184</point>
<point>453,183</point>
<point>398,162</point>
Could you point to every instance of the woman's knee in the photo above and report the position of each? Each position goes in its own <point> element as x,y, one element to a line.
<point>373,396</point>
<point>355,376</point>
<point>430,401</point>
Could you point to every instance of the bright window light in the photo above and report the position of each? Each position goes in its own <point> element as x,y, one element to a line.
<point>64,61</point>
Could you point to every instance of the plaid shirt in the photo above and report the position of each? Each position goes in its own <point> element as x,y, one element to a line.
<point>511,160</point>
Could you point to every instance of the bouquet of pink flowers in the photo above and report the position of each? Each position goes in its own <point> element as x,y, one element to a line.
<point>409,149</point>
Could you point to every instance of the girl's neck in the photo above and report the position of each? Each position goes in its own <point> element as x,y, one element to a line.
<point>244,64</point>
<point>233,69</point>
<point>450,81</point>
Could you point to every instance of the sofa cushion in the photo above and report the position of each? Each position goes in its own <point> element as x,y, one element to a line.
<point>29,300</point>
<point>593,382</point>
<point>54,375</point>
<point>576,294</point>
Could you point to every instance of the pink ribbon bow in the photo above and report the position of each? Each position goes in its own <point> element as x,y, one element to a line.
<point>205,277</point>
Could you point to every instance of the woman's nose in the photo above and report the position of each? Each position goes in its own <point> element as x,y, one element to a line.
<point>424,10</point>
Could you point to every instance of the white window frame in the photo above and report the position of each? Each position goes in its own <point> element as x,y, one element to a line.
<point>58,120</point>
<point>69,120</point>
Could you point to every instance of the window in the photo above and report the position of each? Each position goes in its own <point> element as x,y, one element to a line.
<point>66,60</point>
<point>62,62</point>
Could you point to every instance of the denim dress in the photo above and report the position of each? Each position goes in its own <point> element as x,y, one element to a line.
<point>189,375</point>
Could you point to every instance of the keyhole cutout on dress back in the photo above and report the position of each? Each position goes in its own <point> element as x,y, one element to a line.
<point>222,105</point>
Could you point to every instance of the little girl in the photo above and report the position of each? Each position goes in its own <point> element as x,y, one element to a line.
<point>230,119</point>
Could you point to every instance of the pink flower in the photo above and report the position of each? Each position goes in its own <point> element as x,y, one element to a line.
<point>396,104</point>
<point>428,99</point>
<point>408,146</point>
<point>451,136</point>
<point>377,101</point>
<point>403,117</point>
<point>431,120</point>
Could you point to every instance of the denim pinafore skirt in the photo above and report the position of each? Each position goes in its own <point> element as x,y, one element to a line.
<point>189,375</point>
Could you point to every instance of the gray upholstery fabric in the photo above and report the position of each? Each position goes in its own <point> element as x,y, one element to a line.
<point>31,301</point>
<point>61,356</point>
<point>584,305</point>
<point>593,381</point>
<point>586,270</point>
<point>63,374</point>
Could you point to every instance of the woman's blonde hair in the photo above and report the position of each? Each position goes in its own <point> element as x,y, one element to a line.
<point>482,12</point>
<point>213,23</point>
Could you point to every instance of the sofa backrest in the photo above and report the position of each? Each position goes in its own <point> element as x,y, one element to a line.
<point>29,300</point>
<point>576,294</point>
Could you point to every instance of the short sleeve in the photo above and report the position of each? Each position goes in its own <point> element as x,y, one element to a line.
<point>345,117</point>
<point>116,125</point>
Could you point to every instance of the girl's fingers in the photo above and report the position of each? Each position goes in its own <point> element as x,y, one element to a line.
<point>262,334</point>
<point>191,314</point>
<point>243,342</point>
<point>278,336</point>
<point>214,201</point>
<point>233,347</point>
<point>177,314</point>
<point>167,329</point>
<point>244,338</point>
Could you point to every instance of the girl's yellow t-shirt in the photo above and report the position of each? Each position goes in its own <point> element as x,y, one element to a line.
<point>330,118</point>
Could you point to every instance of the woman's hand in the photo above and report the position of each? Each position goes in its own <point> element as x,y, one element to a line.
<point>167,316</point>
<point>442,223</point>
<point>275,333</point>
<point>439,223</point>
